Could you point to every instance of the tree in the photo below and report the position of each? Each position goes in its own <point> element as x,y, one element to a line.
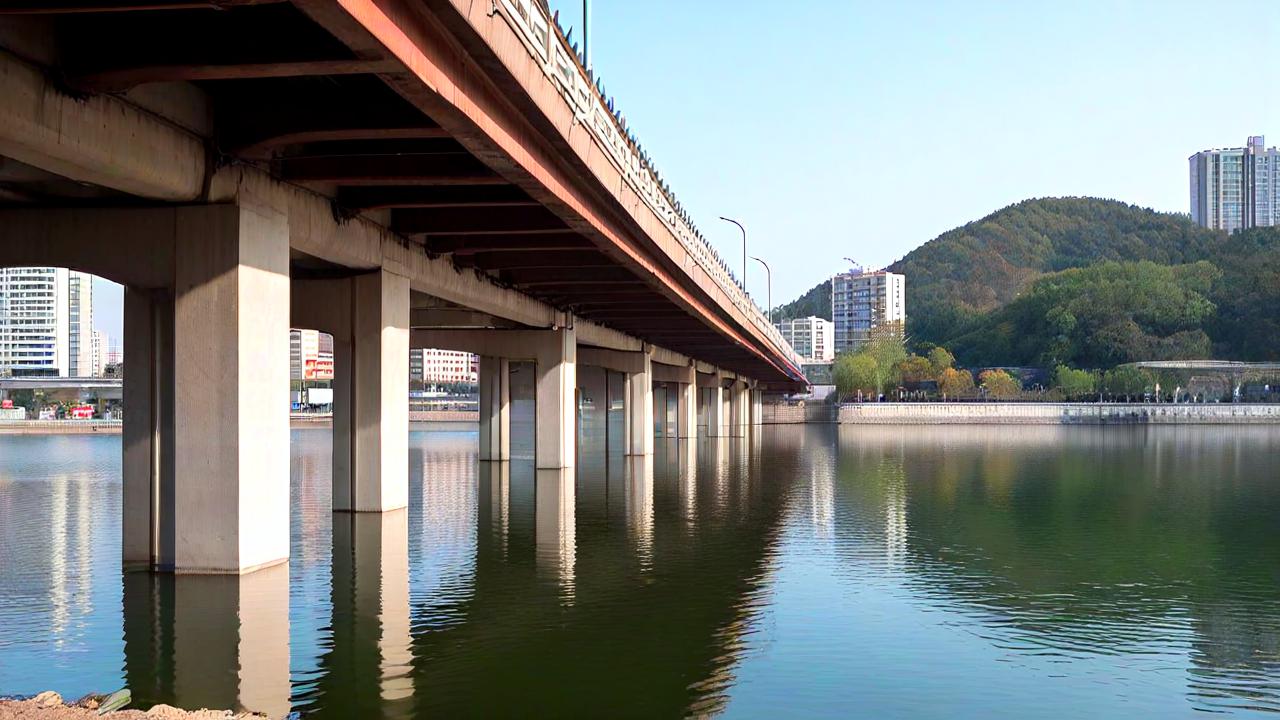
<point>1000,384</point>
<point>887,347</point>
<point>940,359</point>
<point>1126,381</point>
<point>914,368</point>
<point>1073,383</point>
<point>854,372</point>
<point>955,383</point>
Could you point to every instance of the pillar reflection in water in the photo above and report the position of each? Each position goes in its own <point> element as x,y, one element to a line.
<point>554,536</point>
<point>688,474</point>
<point>494,508</point>
<point>371,589</point>
<point>640,507</point>
<point>219,641</point>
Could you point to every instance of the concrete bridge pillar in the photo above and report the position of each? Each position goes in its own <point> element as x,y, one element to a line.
<point>716,415</point>
<point>378,424</point>
<point>687,404</point>
<point>495,408</point>
<point>639,400</point>
<point>206,464</point>
<point>556,414</point>
<point>741,407</point>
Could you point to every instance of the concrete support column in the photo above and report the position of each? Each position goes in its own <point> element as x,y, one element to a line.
<point>715,410</point>
<point>757,407</point>
<point>687,405</point>
<point>147,468</point>
<point>556,409</point>
<point>379,404</point>
<point>640,408</point>
<point>231,384</point>
<point>495,408</point>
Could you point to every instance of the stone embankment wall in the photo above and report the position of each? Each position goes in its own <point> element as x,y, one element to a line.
<point>1056,414</point>
<point>797,414</point>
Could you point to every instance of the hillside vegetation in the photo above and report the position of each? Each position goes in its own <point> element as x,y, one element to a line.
<point>1090,283</point>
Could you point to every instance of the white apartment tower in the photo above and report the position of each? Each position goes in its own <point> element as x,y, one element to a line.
<point>861,301</point>
<point>813,338</point>
<point>46,322</point>
<point>442,367</point>
<point>1236,188</point>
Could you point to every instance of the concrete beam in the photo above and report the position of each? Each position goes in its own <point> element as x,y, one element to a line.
<point>133,247</point>
<point>100,140</point>
<point>619,360</point>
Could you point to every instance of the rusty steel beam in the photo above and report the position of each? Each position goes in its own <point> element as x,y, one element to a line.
<point>121,79</point>
<point>398,169</point>
<point>477,220</point>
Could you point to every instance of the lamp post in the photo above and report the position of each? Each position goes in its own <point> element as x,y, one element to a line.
<point>744,249</point>
<point>769,278</point>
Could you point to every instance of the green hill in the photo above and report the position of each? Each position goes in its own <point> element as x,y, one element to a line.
<point>985,289</point>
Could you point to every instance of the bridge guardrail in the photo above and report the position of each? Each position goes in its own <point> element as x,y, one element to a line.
<point>546,43</point>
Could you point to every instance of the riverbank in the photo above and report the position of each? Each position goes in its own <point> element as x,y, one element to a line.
<point>50,706</point>
<point>995,413</point>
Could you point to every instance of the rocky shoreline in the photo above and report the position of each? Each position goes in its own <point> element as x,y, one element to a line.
<point>51,706</point>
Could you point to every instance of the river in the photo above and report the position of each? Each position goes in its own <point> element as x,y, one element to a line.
<point>1022,572</point>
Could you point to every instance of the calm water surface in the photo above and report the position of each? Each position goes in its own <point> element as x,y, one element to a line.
<point>876,572</point>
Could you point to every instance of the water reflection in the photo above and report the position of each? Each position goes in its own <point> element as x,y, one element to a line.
<point>217,641</point>
<point>812,571</point>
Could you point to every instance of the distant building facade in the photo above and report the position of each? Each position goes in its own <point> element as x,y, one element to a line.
<point>310,355</point>
<point>863,300</point>
<point>442,367</point>
<point>46,322</point>
<point>1236,188</point>
<point>813,338</point>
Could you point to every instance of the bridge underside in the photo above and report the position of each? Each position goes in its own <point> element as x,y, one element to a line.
<point>388,172</point>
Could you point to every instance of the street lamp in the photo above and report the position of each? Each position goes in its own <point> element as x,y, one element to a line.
<point>744,249</point>
<point>769,277</point>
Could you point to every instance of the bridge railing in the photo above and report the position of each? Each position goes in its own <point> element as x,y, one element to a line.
<point>547,44</point>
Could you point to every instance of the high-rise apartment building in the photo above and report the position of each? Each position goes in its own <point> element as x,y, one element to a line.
<point>862,301</point>
<point>1236,188</point>
<point>813,338</point>
<point>46,322</point>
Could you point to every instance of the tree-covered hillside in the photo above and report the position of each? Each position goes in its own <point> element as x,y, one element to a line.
<point>1088,282</point>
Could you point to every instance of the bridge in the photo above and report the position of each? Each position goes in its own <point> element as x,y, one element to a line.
<point>425,173</point>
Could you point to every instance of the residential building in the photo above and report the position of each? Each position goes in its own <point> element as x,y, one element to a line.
<point>100,353</point>
<point>442,367</point>
<point>310,355</point>
<point>813,338</point>
<point>864,300</point>
<point>1236,188</point>
<point>46,322</point>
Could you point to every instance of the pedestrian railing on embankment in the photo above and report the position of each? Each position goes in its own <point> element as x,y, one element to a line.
<point>1023,413</point>
<point>19,427</point>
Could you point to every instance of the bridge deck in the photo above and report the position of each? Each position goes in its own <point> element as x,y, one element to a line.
<point>469,129</point>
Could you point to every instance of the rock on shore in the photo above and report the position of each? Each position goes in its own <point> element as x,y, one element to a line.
<point>50,706</point>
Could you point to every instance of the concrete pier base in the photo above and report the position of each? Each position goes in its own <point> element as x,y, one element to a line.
<point>687,405</point>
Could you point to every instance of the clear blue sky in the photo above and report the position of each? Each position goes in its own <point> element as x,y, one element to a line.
<point>864,129</point>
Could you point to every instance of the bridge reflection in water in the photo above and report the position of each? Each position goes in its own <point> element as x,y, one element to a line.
<point>809,569</point>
